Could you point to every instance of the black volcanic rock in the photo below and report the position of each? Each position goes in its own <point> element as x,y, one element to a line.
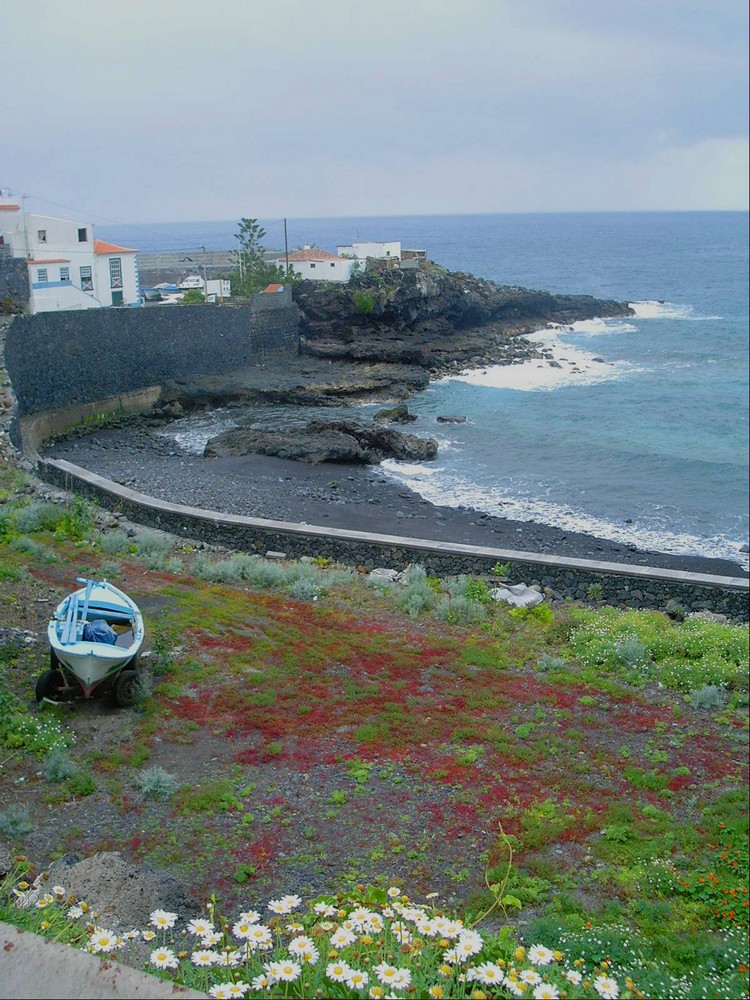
<point>324,441</point>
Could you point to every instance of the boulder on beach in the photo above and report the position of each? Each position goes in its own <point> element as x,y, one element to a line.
<point>324,441</point>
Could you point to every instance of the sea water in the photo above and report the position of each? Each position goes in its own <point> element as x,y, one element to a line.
<point>641,434</point>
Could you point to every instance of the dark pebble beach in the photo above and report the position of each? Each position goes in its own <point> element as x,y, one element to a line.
<point>343,496</point>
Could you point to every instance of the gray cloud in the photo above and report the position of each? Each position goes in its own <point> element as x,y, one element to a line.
<point>166,110</point>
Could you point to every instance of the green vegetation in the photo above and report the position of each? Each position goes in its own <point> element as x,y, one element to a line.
<point>354,734</point>
<point>252,273</point>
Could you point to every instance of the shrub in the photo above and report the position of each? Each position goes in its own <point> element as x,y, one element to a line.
<point>77,521</point>
<point>156,783</point>
<point>115,543</point>
<point>58,765</point>
<point>547,662</point>
<point>460,611</point>
<point>708,697</point>
<point>150,545</point>
<point>38,516</point>
<point>15,822</point>
<point>34,549</point>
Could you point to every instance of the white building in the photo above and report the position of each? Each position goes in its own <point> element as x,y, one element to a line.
<point>320,265</point>
<point>380,251</point>
<point>68,267</point>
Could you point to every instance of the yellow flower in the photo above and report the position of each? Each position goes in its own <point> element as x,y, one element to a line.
<point>333,954</point>
<point>436,992</point>
<point>519,954</point>
<point>558,956</point>
<point>44,925</point>
<point>366,939</point>
<point>478,995</point>
<point>445,970</point>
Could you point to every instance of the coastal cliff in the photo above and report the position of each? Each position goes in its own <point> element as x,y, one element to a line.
<point>432,318</point>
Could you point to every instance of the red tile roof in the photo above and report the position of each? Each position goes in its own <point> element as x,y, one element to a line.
<point>100,246</point>
<point>313,253</point>
<point>273,288</point>
<point>10,208</point>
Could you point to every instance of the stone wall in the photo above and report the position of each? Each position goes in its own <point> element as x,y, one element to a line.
<point>63,359</point>
<point>621,585</point>
<point>14,282</point>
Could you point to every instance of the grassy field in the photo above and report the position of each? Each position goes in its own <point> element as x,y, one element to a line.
<point>578,771</point>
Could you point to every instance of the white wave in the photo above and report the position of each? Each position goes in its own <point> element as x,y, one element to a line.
<point>652,309</point>
<point>597,327</point>
<point>451,491</point>
<point>563,365</point>
<point>404,470</point>
<point>193,433</point>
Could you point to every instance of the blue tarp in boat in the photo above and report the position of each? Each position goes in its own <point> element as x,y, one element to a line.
<point>99,631</point>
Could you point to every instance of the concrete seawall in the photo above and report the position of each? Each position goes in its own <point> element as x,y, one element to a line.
<point>621,584</point>
<point>109,372</point>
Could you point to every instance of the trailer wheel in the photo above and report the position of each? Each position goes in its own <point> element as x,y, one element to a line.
<point>125,688</point>
<point>49,685</point>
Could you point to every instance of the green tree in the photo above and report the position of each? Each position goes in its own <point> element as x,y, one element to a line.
<point>253,273</point>
<point>192,297</point>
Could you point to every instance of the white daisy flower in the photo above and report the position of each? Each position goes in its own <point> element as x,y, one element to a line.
<point>606,987</point>
<point>337,971</point>
<point>325,910</point>
<point>342,937</point>
<point>285,971</point>
<point>103,940</point>
<point>539,955</point>
<point>243,928</point>
<point>357,980</point>
<point>164,958</point>
<point>402,979</point>
<point>573,976</point>
<point>200,927</point>
<point>292,901</point>
<point>530,977</point>
<point>238,989</point>
<point>162,919</point>
<point>469,942</point>
<point>394,892</point>
<point>385,973</point>
<point>210,939</point>
<point>204,958</point>
<point>251,916</point>
<point>221,991</point>
<point>262,982</point>
<point>74,912</point>
<point>488,972</point>
<point>546,991</point>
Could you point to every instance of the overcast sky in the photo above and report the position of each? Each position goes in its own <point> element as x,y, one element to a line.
<point>152,111</point>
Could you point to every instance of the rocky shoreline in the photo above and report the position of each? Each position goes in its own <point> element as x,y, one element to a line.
<point>347,496</point>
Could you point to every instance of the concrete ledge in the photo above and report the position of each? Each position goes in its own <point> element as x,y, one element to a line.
<point>620,584</point>
<point>116,491</point>
<point>32,968</point>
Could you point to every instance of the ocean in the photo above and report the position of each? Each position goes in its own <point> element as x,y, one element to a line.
<point>641,434</point>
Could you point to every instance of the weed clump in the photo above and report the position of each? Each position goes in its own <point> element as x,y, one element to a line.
<point>156,783</point>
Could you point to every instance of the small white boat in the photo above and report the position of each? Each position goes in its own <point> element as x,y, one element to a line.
<point>94,635</point>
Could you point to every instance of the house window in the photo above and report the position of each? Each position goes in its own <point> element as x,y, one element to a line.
<point>115,272</point>
<point>41,275</point>
<point>312,265</point>
<point>64,274</point>
<point>333,263</point>
<point>87,282</point>
<point>82,235</point>
<point>41,235</point>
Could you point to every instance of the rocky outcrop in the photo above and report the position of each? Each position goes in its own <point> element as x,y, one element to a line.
<point>324,441</point>
<point>432,318</point>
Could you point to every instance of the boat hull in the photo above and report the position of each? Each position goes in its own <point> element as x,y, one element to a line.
<point>94,663</point>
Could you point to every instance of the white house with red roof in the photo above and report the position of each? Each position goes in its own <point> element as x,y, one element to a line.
<point>68,267</point>
<point>319,265</point>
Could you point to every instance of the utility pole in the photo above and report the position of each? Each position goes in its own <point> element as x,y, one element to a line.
<point>205,282</point>
<point>286,249</point>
